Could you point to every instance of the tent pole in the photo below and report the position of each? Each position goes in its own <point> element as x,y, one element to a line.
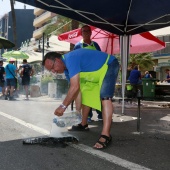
<point>124,53</point>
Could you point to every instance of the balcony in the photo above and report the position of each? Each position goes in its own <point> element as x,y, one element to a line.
<point>38,11</point>
<point>43,19</point>
<point>38,33</point>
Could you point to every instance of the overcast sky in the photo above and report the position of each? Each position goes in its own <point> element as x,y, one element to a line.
<point>5,6</point>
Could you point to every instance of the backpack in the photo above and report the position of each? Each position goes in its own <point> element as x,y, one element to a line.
<point>27,69</point>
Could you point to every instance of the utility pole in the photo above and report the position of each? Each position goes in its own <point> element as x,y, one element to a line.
<point>43,51</point>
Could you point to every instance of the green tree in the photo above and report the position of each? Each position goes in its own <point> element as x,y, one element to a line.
<point>144,61</point>
<point>62,24</point>
<point>58,25</point>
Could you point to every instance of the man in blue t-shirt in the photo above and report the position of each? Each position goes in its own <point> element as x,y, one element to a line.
<point>10,70</point>
<point>87,43</point>
<point>92,71</point>
<point>135,76</point>
<point>168,75</point>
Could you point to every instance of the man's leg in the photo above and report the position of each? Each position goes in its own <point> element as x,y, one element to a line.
<point>107,121</point>
<point>78,102</point>
<point>90,115</point>
<point>3,90</point>
<point>100,117</point>
<point>6,91</point>
<point>106,94</point>
<point>26,90</point>
<point>79,105</point>
<point>83,126</point>
<point>11,91</point>
<point>85,113</point>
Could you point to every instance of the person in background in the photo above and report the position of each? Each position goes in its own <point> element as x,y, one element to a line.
<point>87,43</point>
<point>147,75</point>
<point>25,74</point>
<point>2,80</point>
<point>135,80</point>
<point>10,74</point>
<point>168,75</point>
<point>95,80</point>
<point>135,76</point>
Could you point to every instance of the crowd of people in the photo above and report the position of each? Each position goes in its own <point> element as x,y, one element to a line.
<point>92,75</point>
<point>9,78</point>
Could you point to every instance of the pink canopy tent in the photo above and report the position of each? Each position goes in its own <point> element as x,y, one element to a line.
<point>110,43</point>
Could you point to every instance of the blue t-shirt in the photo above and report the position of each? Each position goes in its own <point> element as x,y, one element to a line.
<point>83,45</point>
<point>84,60</point>
<point>134,76</point>
<point>147,76</point>
<point>12,68</point>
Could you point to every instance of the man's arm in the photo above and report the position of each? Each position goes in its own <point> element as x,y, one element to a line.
<point>32,72</point>
<point>73,90</point>
<point>22,70</point>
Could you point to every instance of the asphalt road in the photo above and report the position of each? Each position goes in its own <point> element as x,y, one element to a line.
<point>21,119</point>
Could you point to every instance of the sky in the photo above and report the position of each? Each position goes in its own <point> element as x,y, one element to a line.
<point>5,6</point>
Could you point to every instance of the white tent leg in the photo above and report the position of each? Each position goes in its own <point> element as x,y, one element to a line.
<point>124,53</point>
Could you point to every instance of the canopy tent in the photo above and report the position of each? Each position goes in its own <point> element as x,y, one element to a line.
<point>117,16</point>
<point>122,17</point>
<point>56,45</point>
<point>110,43</point>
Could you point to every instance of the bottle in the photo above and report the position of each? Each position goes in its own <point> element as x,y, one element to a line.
<point>68,119</point>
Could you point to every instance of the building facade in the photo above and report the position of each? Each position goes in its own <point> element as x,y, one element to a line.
<point>24,26</point>
<point>162,57</point>
<point>41,21</point>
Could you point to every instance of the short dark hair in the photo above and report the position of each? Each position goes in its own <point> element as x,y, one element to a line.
<point>51,56</point>
<point>136,67</point>
<point>24,61</point>
<point>85,26</point>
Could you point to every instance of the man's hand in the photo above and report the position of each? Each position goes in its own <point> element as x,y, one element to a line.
<point>59,111</point>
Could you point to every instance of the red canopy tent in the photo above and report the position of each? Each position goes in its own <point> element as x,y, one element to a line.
<point>110,43</point>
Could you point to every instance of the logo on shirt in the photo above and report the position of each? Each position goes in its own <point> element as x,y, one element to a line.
<point>73,35</point>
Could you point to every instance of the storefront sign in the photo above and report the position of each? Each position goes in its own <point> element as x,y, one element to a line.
<point>164,64</point>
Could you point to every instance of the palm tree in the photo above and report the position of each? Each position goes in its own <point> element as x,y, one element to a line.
<point>144,61</point>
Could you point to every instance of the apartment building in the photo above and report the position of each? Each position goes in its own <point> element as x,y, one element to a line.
<point>41,20</point>
<point>24,25</point>
<point>162,57</point>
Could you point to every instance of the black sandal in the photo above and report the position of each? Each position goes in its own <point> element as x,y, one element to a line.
<point>106,143</point>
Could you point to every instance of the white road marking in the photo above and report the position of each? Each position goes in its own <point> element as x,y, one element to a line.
<point>111,158</point>
<point>105,156</point>
<point>31,126</point>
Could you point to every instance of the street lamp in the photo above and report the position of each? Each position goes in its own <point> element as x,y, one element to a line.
<point>43,47</point>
